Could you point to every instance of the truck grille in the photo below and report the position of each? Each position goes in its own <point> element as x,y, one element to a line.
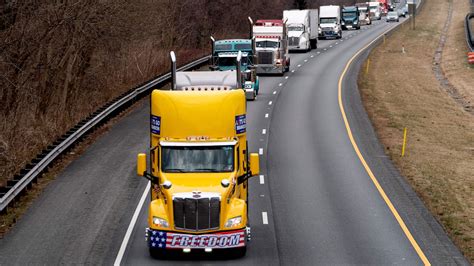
<point>294,41</point>
<point>265,57</point>
<point>196,213</point>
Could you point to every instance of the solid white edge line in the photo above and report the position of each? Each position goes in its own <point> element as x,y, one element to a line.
<point>264,217</point>
<point>262,179</point>
<point>126,238</point>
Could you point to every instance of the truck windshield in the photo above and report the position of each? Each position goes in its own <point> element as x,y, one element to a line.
<point>327,20</point>
<point>267,44</point>
<point>243,47</point>
<point>231,61</point>
<point>349,15</point>
<point>195,159</point>
<point>223,47</point>
<point>296,28</point>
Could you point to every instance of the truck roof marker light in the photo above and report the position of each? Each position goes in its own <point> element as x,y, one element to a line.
<point>173,70</point>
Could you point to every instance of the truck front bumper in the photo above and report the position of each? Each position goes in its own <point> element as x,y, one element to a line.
<point>270,69</point>
<point>326,34</point>
<point>219,240</point>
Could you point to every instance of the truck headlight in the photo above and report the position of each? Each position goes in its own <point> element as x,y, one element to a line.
<point>233,222</point>
<point>278,61</point>
<point>320,30</point>
<point>160,222</point>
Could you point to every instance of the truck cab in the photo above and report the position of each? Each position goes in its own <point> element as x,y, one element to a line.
<point>330,22</point>
<point>350,18</point>
<point>271,40</point>
<point>224,55</point>
<point>364,14</point>
<point>375,10</point>
<point>199,169</point>
<point>302,28</point>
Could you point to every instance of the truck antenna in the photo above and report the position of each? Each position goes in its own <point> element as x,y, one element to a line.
<point>239,71</point>
<point>173,70</point>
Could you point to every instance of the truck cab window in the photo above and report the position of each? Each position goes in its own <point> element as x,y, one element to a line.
<point>196,159</point>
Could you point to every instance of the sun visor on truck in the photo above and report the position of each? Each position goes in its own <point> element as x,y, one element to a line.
<point>206,80</point>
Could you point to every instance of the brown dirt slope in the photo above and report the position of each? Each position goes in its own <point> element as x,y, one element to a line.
<point>400,90</point>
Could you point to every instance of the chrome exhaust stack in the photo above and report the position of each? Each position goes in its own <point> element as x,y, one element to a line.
<point>251,27</point>
<point>239,70</point>
<point>213,46</point>
<point>173,70</point>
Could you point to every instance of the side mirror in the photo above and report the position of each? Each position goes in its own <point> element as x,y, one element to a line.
<point>254,164</point>
<point>141,164</point>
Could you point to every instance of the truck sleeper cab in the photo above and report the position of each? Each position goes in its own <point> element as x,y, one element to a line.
<point>199,170</point>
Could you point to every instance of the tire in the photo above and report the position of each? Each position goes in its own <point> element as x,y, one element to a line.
<point>239,252</point>
<point>157,253</point>
<point>339,36</point>
<point>314,43</point>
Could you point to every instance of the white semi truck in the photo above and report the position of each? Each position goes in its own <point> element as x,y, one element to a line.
<point>302,28</point>
<point>375,10</point>
<point>330,22</point>
<point>271,38</point>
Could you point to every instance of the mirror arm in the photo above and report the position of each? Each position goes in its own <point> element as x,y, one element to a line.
<point>153,179</point>
<point>244,177</point>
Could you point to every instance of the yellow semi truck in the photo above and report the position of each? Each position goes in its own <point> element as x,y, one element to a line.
<point>200,165</point>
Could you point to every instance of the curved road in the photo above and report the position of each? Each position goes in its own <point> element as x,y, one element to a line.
<point>322,206</point>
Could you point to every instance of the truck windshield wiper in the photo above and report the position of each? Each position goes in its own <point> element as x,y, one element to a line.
<point>208,170</point>
<point>174,170</point>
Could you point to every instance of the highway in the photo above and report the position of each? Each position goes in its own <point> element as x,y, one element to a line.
<point>314,203</point>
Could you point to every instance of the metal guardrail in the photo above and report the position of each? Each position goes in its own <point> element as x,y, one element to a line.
<point>469,31</point>
<point>40,164</point>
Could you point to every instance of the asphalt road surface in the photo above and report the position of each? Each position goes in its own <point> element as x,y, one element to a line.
<point>320,205</point>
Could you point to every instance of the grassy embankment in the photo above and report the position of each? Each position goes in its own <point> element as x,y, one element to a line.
<point>400,90</point>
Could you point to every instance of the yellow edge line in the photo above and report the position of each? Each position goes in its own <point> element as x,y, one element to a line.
<point>366,166</point>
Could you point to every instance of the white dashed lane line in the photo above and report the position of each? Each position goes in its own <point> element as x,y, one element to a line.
<point>264,217</point>
<point>270,103</point>
<point>286,77</point>
<point>274,92</point>
<point>260,151</point>
<point>266,115</point>
<point>262,180</point>
<point>280,84</point>
<point>264,131</point>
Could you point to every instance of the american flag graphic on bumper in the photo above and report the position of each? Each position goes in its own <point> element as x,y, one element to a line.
<point>167,240</point>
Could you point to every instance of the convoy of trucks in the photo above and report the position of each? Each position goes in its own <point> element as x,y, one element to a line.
<point>330,22</point>
<point>224,54</point>
<point>199,156</point>
<point>302,28</point>
<point>350,18</point>
<point>271,38</point>
<point>200,165</point>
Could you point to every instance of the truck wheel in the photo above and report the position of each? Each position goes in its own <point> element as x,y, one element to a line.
<point>339,36</point>
<point>287,68</point>
<point>314,44</point>
<point>157,253</point>
<point>240,252</point>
